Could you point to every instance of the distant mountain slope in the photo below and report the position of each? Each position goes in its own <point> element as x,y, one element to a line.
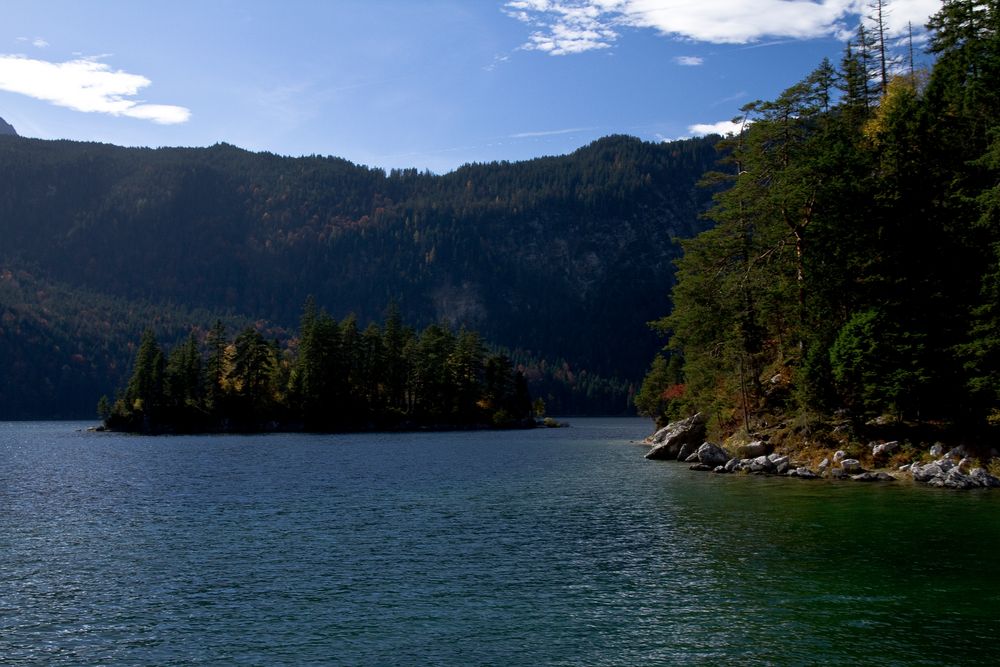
<point>562,257</point>
<point>6,129</point>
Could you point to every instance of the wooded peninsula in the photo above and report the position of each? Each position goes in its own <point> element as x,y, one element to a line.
<point>849,291</point>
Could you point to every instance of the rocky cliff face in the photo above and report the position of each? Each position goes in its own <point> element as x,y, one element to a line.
<point>7,128</point>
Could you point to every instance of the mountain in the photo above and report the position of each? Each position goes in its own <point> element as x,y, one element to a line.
<point>562,259</point>
<point>6,129</point>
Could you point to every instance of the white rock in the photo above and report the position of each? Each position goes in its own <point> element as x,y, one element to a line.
<point>839,456</point>
<point>851,466</point>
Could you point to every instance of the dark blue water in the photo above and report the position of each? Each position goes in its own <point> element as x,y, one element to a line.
<point>549,547</point>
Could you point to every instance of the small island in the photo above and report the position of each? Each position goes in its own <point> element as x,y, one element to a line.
<point>329,377</point>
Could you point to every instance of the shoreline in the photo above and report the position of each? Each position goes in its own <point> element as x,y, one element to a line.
<point>684,441</point>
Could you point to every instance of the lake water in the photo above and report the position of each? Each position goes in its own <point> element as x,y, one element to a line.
<point>547,547</point>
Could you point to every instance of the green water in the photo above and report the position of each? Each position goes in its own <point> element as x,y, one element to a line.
<point>550,547</point>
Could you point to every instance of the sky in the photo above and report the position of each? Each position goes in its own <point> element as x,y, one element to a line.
<point>430,84</point>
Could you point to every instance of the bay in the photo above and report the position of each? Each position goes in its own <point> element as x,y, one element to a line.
<point>546,547</point>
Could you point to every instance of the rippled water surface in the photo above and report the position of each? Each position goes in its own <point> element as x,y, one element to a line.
<point>549,547</point>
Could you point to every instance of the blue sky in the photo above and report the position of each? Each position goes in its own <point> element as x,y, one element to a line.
<point>431,84</point>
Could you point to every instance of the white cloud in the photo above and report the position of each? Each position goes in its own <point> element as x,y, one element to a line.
<point>85,85</point>
<point>549,133</point>
<point>39,42</point>
<point>562,27</point>
<point>689,61</point>
<point>723,127</point>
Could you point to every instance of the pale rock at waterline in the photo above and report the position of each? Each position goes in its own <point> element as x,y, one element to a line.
<point>851,466</point>
<point>668,441</point>
<point>839,456</point>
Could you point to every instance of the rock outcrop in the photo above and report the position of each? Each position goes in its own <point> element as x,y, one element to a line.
<point>947,474</point>
<point>667,442</point>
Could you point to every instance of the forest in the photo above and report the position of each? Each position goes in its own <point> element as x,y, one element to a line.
<point>558,262</point>
<point>331,376</point>
<point>853,269</point>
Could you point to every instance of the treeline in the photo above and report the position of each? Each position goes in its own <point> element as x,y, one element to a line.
<point>855,262</point>
<point>331,376</point>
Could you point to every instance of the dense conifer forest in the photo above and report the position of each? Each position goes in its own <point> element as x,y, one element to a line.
<point>330,376</point>
<point>854,266</point>
<point>558,262</point>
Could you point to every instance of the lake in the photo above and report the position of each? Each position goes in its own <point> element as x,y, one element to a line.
<point>545,547</point>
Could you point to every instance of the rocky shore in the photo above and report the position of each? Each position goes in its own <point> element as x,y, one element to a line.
<point>685,441</point>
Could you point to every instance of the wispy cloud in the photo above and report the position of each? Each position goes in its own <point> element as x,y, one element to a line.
<point>723,127</point>
<point>548,133</point>
<point>87,85</point>
<point>730,99</point>
<point>37,42</point>
<point>562,27</point>
<point>689,61</point>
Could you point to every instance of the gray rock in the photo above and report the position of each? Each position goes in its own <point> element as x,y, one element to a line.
<point>956,479</point>
<point>783,467</point>
<point>984,479</point>
<point>905,467</point>
<point>925,473</point>
<point>752,450</point>
<point>803,473</point>
<point>839,456</point>
<point>732,465</point>
<point>720,470</point>
<point>668,441</point>
<point>885,449</point>
<point>959,452</point>
<point>692,458</point>
<point>837,473</point>
<point>712,455</point>
<point>761,464</point>
<point>824,464</point>
<point>700,467</point>
<point>686,450</point>
<point>850,466</point>
<point>873,477</point>
<point>965,465</point>
<point>937,449</point>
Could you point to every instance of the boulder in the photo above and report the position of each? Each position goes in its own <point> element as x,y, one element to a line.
<point>783,467</point>
<point>701,467</point>
<point>839,456</point>
<point>712,455</point>
<point>691,458</point>
<point>984,479</point>
<point>937,449</point>
<point>720,470</point>
<point>885,449</point>
<point>824,464</point>
<point>850,466</point>
<point>925,473</point>
<point>761,464</point>
<point>803,472</point>
<point>668,441</point>
<point>956,479</point>
<point>752,450</point>
<point>686,450</point>
<point>732,465</point>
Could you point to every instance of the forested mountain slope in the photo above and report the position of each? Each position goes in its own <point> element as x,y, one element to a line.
<point>561,258</point>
